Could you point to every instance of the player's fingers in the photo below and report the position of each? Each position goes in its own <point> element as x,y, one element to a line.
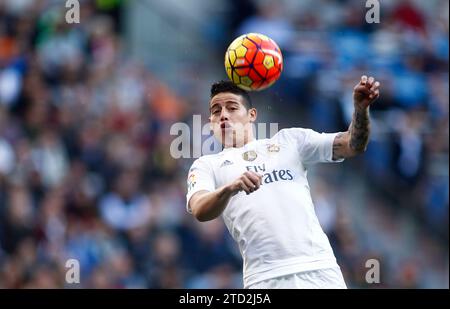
<point>254,178</point>
<point>375,86</point>
<point>249,184</point>
<point>375,94</point>
<point>361,89</point>
<point>244,186</point>
<point>253,174</point>
<point>363,80</point>
<point>370,81</point>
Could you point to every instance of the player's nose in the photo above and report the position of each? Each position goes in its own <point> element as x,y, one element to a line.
<point>224,115</point>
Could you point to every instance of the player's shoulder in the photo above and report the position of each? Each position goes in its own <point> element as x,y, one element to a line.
<point>208,159</point>
<point>291,133</point>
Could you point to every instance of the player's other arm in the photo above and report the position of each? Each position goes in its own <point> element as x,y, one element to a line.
<point>354,141</point>
<point>206,205</point>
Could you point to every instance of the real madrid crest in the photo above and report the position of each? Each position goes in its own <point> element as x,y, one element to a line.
<point>249,155</point>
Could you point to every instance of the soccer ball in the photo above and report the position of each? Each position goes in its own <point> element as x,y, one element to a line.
<point>253,61</point>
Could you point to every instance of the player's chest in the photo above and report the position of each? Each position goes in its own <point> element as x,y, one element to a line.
<point>262,159</point>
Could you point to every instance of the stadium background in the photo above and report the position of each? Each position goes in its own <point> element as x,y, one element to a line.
<point>86,111</point>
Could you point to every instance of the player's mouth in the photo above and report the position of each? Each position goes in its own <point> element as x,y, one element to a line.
<point>225,126</point>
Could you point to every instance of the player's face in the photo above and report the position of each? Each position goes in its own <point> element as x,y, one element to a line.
<point>230,119</point>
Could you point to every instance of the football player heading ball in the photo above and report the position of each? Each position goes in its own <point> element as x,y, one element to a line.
<point>261,190</point>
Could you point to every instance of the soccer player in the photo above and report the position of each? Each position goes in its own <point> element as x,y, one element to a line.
<point>261,190</point>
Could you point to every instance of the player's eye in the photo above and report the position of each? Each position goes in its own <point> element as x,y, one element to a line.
<point>215,112</point>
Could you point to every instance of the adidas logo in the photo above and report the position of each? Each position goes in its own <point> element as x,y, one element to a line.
<point>225,163</point>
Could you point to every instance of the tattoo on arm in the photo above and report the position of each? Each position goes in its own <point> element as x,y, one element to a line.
<point>359,130</point>
<point>340,141</point>
<point>355,140</point>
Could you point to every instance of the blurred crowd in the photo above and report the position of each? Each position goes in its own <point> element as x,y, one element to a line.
<point>86,173</point>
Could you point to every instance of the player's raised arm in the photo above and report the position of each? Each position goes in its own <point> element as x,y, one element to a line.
<point>207,205</point>
<point>355,139</point>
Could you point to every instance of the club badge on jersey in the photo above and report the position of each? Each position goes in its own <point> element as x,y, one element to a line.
<point>250,155</point>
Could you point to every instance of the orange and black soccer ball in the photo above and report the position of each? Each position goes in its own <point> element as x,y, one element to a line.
<point>253,61</point>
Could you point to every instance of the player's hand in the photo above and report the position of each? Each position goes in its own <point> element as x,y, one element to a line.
<point>366,92</point>
<point>248,182</point>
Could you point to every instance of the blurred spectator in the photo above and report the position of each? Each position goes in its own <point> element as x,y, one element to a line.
<point>125,208</point>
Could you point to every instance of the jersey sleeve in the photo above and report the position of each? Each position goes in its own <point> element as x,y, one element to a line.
<point>312,146</point>
<point>200,177</point>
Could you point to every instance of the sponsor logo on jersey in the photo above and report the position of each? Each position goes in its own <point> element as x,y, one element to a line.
<point>274,175</point>
<point>277,175</point>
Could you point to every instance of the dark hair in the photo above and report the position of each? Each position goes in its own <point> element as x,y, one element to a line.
<point>229,86</point>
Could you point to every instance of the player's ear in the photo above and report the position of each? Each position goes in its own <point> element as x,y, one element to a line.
<point>253,114</point>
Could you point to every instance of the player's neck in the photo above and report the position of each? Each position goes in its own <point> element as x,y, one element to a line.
<point>241,143</point>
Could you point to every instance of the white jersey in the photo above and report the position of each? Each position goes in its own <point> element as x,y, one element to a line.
<point>276,227</point>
